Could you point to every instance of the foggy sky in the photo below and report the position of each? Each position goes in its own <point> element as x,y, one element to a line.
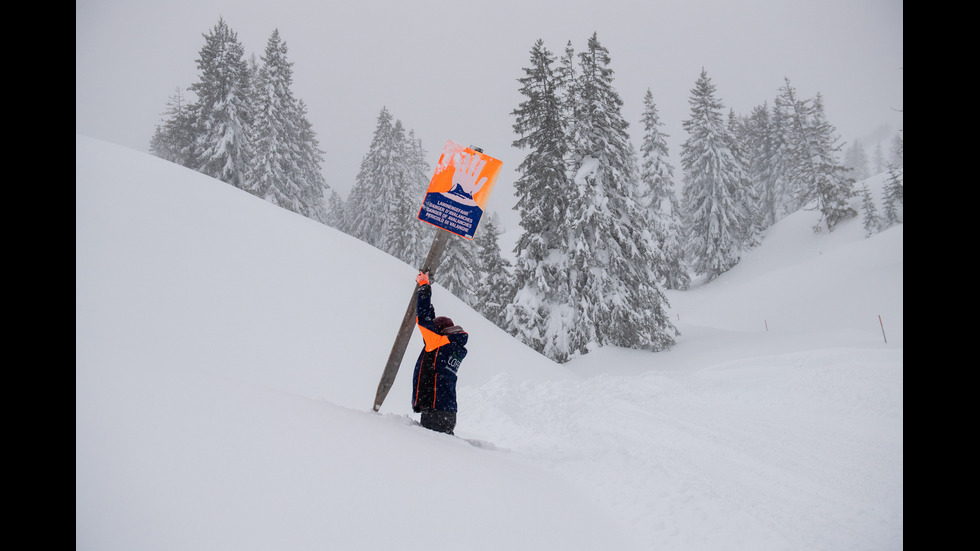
<point>448,70</point>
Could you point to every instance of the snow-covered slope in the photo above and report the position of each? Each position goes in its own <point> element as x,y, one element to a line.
<point>228,352</point>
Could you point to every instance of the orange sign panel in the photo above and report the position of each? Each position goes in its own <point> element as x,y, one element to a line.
<point>459,189</point>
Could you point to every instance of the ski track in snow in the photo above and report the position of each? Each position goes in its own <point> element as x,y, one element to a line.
<point>680,486</point>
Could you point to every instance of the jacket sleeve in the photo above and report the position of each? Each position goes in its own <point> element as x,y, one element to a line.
<point>424,312</point>
<point>460,339</point>
<point>424,316</point>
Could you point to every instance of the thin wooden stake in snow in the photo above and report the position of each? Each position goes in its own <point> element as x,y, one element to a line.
<point>882,329</point>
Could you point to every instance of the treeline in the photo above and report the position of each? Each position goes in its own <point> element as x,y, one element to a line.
<point>246,127</point>
<point>603,231</point>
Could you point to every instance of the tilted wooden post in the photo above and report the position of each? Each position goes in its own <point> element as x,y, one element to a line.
<point>404,335</point>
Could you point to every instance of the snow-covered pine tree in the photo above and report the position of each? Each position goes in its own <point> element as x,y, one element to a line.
<point>285,168</point>
<point>760,141</point>
<point>819,179</point>
<point>383,205</point>
<point>540,314</point>
<point>459,269</point>
<point>714,217</point>
<point>747,192</point>
<point>565,81</point>
<point>610,250</point>
<point>494,287</point>
<point>779,164</point>
<point>173,138</point>
<point>660,201</point>
<point>222,113</point>
<point>374,190</point>
<point>793,114</point>
<point>829,186</point>
<point>254,68</point>
<point>309,158</point>
<point>394,206</point>
<point>406,237</point>
<point>275,161</point>
<point>412,243</point>
<point>335,210</point>
<point>872,224</point>
<point>895,152</point>
<point>894,192</point>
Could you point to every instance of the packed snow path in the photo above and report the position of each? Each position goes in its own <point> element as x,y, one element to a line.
<point>736,456</point>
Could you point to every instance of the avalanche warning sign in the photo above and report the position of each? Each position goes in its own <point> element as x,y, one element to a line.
<point>458,191</point>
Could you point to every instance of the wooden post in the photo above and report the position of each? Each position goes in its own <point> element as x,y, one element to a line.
<point>404,335</point>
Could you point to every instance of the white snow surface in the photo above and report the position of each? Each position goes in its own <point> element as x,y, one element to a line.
<point>227,354</point>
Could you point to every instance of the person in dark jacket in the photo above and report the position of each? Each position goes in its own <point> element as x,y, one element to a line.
<point>434,380</point>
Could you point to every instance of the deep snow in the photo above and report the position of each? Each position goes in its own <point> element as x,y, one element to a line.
<point>227,353</point>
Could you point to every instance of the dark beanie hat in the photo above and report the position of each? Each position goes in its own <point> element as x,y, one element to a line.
<point>442,322</point>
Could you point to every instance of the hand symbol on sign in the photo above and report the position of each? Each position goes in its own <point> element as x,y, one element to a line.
<point>468,168</point>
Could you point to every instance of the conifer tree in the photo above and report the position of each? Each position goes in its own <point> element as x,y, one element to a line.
<point>660,201</point>
<point>459,269</point>
<point>246,127</point>
<point>335,210</point>
<point>223,112</point>
<point>831,187</point>
<point>713,175</point>
<point>819,179</point>
<point>402,229</point>
<point>275,175</point>
<point>405,236</point>
<point>366,208</point>
<point>254,68</point>
<point>286,162</point>
<point>747,194</point>
<point>173,139</point>
<point>494,287</point>
<point>794,115</point>
<point>537,314</point>
<point>834,189</point>
<point>565,82</point>
<point>383,205</point>
<point>780,163</point>
<point>896,151</point>
<point>309,157</point>
<point>616,298</point>
<point>412,243</point>
<point>872,224</point>
<point>894,191</point>
<point>760,141</point>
